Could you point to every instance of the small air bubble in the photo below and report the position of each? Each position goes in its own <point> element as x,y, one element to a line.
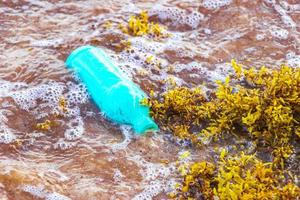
<point>56,196</point>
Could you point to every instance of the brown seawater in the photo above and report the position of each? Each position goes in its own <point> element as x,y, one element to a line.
<point>84,156</point>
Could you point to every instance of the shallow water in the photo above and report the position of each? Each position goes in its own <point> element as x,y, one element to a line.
<point>84,156</point>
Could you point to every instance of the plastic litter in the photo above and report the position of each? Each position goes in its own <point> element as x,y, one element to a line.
<point>113,92</point>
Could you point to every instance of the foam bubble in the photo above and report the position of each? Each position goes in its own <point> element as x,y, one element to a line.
<point>260,37</point>
<point>270,1</point>
<point>286,19</point>
<point>75,129</point>
<point>37,191</point>
<point>207,31</point>
<point>73,111</point>
<point>193,19</point>
<point>171,79</point>
<point>43,100</point>
<point>63,145</point>
<point>215,4</point>
<point>77,93</point>
<point>3,114</point>
<point>42,193</point>
<point>56,196</point>
<point>49,93</point>
<point>156,178</point>
<point>294,61</point>
<point>151,190</point>
<point>289,7</point>
<point>145,46</point>
<point>38,3</point>
<point>279,9</point>
<point>6,87</point>
<point>290,55</point>
<point>190,66</point>
<point>141,50</point>
<point>118,175</point>
<point>279,33</point>
<point>46,43</point>
<point>220,73</point>
<point>6,135</point>
<point>154,171</point>
<point>177,16</point>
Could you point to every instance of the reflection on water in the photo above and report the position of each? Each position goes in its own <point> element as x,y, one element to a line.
<point>83,156</point>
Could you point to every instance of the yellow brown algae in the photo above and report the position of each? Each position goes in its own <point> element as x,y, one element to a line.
<point>36,38</point>
<point>140,25</point>
<point>50,123</point>
<point>235,177</point>
<point>263,103</point>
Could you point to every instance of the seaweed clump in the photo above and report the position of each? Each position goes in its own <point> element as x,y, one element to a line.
<point>261,105</point>
<point>140,25</point>
<point>236,177</point>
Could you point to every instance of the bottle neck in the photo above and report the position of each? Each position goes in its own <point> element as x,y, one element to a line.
<point>143,124</point>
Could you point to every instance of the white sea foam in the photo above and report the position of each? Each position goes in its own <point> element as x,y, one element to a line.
<point>42,193</point>
<point>62,144</point>
<point>41,101</point>
<point>46,43</point>
<point>178,16</point>
<point>48,93</point>
<point>293,60</point>
<point>6,134</point>
<point>118,176</point>
<point>279,33</point>
<point>156,178</point>
<point>215,4</point>
<point>56,196</point>
<point>260,37</point>
<point>75,129</point>
<point>286,19</point>
<point>37,191</point>
<point>128,136</point>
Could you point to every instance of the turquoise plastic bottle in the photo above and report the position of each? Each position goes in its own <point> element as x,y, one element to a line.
<point>113,92</point>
